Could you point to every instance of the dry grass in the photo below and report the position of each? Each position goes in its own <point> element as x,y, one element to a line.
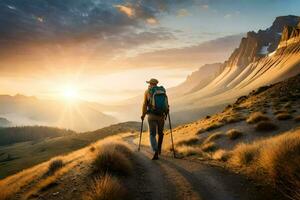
<point>265,126</point>
<point>209,147</point>
<point>111,160</point>
<point>106,188</point>
<point>284,116</point>
<point>221,155</point>
<point>233,134</point>
<point>213,137</point>
<point>210,127</point>
<point>256,117</point>
<point>244,154</point>
<point>278,157</point>
<point>297,119</point>
<point>188,150</point>
<point>92,148</point>
<point>55,165</point>
<point>189,141</point>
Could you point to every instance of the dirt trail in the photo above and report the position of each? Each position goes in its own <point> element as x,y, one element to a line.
<point>169,178</point>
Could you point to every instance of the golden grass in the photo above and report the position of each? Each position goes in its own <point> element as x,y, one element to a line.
<point>221,155</point>
<point>283,116</point>
<point>210,127</point>
<point>209,147</point>
<point>233,134</point>
<point>278,157</point>
<point>256,117</point>
<point>188,150</point>
<point>35,176</point>
<point>190,141</point>
<point>213,137</point>
<point>111,160</point>
<point>245,154</point>
<point>106,188</point>
<point>265,126</point>
<point>55,165</point>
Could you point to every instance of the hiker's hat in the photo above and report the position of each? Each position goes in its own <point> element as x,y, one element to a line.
<point>152,81</point>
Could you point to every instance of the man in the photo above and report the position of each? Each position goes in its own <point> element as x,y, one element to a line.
<point>156,106</point>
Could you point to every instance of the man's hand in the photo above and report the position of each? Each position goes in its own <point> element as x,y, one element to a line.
<point>142,117</point>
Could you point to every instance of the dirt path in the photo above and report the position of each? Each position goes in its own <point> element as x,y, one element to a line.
<point>169,178</point>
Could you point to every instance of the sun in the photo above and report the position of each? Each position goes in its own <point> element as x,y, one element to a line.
<point>70,93</point>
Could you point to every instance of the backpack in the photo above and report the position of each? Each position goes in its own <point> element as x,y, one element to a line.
<point>158,101</point>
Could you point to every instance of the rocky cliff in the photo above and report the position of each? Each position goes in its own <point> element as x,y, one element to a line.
<point>258,44</point>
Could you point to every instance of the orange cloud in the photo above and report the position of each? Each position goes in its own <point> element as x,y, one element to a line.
<point>152,21</point>
<point>129,11</point>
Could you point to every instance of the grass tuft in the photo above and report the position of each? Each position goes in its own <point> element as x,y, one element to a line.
<point>221,155</point>
<point>233,134</point>
<point>256,117</point>
<point>106,188</point>
<point>55,165</point>
<point>188,150</point>
<point>108,160</point>
<point>213,137</point>
<point>209,147</point>
<point>190,141</point>
<point>243,154</point>
<point>283,116</point>
<point>265,126</point>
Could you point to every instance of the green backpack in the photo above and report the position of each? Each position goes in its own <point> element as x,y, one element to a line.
<point>158,102</point>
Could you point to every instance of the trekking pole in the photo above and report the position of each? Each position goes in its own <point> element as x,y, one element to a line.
<point>171,135</point>
<point>141,135</point>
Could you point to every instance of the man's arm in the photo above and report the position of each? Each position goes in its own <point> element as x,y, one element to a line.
<point>145,104</point>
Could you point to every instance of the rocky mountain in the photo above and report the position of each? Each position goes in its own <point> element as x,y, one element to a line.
<point>80,116</point>
<point>197,80</point>
<point>262,58</point>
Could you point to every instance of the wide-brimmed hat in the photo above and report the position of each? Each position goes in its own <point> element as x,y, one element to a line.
<point>152,81</point>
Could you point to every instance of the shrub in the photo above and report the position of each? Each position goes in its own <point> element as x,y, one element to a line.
<point>92,148</point>
<point>109,160</point>
<point>233,134</point>
<point>190,141</point>
<point>55,165</point>
<point>281,160</point>
<point>188,150</point>
<point>297,119</point>
<point>277,157</point>
<point>209,147</point>
<point>106,188</point>
<point>284,116</point>
<point>213,137</point>
<point>256,117</point>
<point>221,155</point>
<point>265,126</point>
<point>244,154</point>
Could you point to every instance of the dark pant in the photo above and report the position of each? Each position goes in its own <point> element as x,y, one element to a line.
<point>156,126</point>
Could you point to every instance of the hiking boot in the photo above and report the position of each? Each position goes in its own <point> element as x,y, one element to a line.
<point>155,156</point>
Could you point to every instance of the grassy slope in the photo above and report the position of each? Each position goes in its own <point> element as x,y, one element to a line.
<point>18,156</point>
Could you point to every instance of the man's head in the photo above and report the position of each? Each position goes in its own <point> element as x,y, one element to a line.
<point>152,82</point>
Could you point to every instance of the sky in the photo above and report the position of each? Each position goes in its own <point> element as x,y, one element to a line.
<point>105,50</point>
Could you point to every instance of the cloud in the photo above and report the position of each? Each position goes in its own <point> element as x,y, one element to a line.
<point>207,52</point>
<point>126,9</point>
<point>183,13</point>
<point>205,7</point>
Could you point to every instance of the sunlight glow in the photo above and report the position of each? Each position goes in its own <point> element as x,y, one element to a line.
<point>70,93</point>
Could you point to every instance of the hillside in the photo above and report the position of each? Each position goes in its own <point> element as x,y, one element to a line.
<point>28,111</point>
<point>4,122</point>
<point>217,157</point>
<point>32,145</point>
